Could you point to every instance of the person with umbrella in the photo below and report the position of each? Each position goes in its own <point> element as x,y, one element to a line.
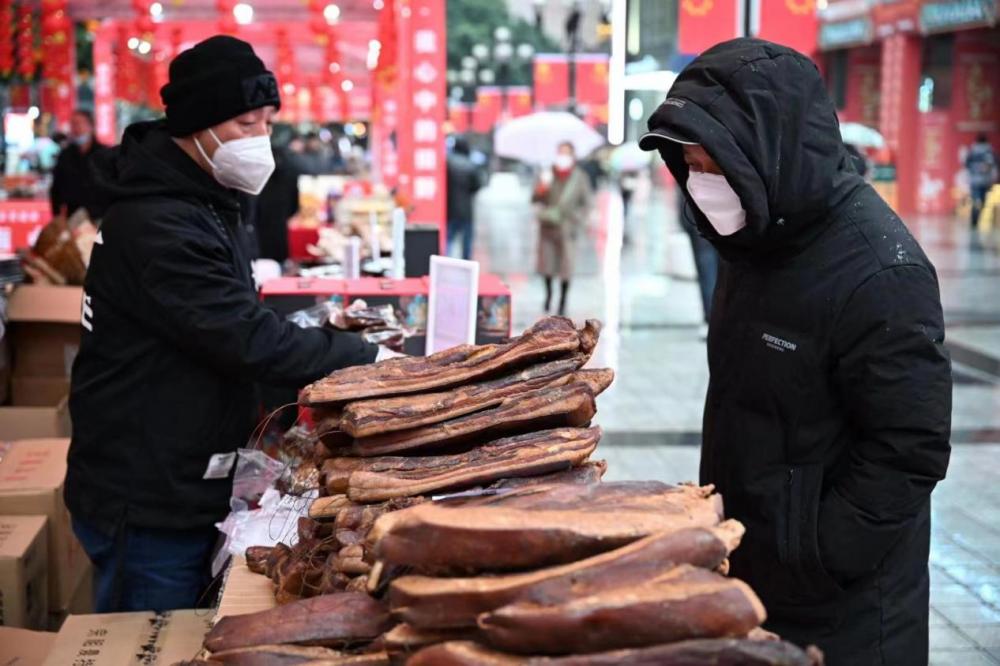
<point>564,197</point>
<point>828,414</point>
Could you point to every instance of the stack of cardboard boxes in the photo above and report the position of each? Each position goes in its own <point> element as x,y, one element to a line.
<point>42,339</point>
<point>44,573</point>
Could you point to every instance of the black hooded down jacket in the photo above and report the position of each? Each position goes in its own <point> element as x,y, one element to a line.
<point>828,412</point>
<point>174,339</point>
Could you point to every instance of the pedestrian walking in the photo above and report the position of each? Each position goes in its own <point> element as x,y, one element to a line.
<point>464,179</point>
<point>981,163</point>
<point>827,419</point>
<point>564,197</point>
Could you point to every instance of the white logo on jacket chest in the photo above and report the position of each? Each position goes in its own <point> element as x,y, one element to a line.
<point>778,344</point>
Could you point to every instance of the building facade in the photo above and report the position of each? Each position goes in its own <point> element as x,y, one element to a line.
<point>926,74</point>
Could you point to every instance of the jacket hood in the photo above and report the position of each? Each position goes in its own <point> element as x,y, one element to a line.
<point>762,112</point>
<point>149,163</point>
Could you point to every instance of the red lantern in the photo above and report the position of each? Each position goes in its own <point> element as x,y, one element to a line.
<point>228,25</point>
<point>6,37</point>
<point>25,43</point>
<point>176,38</point>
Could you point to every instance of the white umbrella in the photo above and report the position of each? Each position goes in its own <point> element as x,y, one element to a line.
<point>629,157</point>
<point>861,136</point>
<point>536,137</point>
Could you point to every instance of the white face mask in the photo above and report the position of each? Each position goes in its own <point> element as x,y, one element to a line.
<point>717,200</point>
<point>243,164</point>
<point>563,162</point>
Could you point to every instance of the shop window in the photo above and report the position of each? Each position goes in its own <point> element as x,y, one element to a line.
<point>836,77</point>
<point>936,72</point>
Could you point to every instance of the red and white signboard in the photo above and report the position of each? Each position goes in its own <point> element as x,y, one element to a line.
<point>423,108</point>
<point>104,87</point>
<point>21,222</point>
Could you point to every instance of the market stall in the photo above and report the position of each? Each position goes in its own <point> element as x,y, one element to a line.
<point>447,510</point>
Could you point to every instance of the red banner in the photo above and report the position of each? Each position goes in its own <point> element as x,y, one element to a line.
<point>518,101</point>
<point>423,106</point>
<point>592,88</point>
<point>21,222</point>
<point>976,87</point>
<point>592,79</point>
<point>104,87</point>
<point>487,112</point>
<point>790,22</point>
<point>704,23</point>
<point>551,78</point>
<point>458,116</point>
<point>938,163</point>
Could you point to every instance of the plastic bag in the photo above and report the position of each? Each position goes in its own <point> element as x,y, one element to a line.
<point>255,473</point>
<point>317,316</point>
<point>276,520</point>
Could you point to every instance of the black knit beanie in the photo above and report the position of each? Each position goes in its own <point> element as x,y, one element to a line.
<point>215,81</point>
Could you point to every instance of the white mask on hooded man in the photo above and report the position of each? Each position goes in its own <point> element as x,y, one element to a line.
<point>718,201</point>
<point>242,164</point>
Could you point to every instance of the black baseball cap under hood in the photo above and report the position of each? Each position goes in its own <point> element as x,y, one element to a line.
<point>761,111</point>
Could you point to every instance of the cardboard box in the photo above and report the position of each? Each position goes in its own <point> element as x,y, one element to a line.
<point>38,391</point>
<point>35,422</point>
<point>23,572</point>
<point>23,647</point>
<point>45,337</point>
<point>82,603</point>
<point>114,639</point>
<point>243,591</point>
<point>31,483</point>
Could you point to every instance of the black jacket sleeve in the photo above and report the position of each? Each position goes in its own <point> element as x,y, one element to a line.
<point>56,196</point>
<point>202,305</point>
<point>894,377</point>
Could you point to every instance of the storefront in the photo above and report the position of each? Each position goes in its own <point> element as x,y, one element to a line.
<point>926,75</point>
<point>377,66</point>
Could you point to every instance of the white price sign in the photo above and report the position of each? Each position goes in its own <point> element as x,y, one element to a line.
<point>451,303</point>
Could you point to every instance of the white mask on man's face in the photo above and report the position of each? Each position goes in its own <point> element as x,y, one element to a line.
<point>718,201</point>
<point>243,164</point>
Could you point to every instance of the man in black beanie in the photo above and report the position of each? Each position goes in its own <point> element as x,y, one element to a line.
<point>174,336</point>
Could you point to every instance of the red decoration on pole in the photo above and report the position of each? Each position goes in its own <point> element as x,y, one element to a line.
<point>702,24</point>
<point>25,43</point>
<point>227,22</point>
<point>6,38</point>
<point>57,68</point>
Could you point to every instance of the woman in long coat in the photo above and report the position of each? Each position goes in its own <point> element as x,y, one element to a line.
<point>564,201</point>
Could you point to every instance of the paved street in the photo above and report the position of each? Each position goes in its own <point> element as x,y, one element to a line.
<point>644,291</point>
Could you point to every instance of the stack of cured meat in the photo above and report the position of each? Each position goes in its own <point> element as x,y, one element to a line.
<point>462,523</point>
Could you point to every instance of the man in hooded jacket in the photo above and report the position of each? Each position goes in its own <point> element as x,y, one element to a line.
<point>827,419</point>
<point>174,336</point>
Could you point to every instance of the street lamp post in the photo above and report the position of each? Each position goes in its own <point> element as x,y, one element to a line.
<point>573,39</point>
<point>503,57</point>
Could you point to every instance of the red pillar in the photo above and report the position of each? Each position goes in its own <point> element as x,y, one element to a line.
<point>898,113</point>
